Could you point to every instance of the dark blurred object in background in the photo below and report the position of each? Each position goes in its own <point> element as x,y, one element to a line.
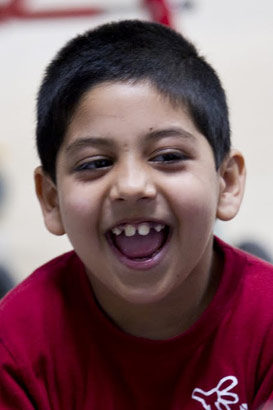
<point>6,281</point>
<point>256,249</point>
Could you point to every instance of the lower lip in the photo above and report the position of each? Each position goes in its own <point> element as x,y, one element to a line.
<point>144,264</point>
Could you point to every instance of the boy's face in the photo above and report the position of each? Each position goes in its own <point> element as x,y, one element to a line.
<point>137,193</point>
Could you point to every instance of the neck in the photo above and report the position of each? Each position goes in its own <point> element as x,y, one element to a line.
<point>166,318</point>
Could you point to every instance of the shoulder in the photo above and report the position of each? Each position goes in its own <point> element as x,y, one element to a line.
<point>246,266</point>
<point>30,304</point>
<point>247,326</point>
<point>34,330</point>
<point>45,279</point>
<point>248,286</point>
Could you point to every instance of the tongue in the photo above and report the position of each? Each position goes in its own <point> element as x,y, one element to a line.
<point>138,246</point>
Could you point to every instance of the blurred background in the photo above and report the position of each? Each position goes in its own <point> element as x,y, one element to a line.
<point>236,37</point>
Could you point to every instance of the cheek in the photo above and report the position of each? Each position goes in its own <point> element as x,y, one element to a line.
<point>81,223</point>
<point>193,200</point>
<point>79,210</point>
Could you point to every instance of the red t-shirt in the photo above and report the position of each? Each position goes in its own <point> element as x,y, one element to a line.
<point>59,351</point>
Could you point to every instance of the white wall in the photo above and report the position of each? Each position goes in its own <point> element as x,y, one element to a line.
<point>236,38</point>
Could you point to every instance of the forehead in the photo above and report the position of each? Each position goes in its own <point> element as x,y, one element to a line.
<point>126,108</point>
<point>120,99</point>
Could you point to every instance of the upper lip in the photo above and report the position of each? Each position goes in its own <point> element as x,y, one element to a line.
<point>138,221</point>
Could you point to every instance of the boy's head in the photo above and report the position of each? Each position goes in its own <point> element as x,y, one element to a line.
<point>130,51</point>
<point>136,162</point>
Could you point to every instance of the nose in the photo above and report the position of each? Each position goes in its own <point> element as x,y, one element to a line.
<point>132,182</point>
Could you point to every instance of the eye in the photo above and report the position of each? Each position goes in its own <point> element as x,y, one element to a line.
<point>95,164</point>
<point>169,157</point>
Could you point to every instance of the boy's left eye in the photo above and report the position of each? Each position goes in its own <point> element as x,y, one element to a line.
<point>169,157</point>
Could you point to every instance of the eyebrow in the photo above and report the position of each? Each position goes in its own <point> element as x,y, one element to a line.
<point>110,143</point>
<point>87,141</point>
<point>170,132</point>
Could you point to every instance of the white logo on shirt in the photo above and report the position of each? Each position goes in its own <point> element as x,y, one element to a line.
<point>219,398</point>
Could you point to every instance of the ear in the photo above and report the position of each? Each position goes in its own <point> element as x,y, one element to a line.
<point>47,195</point>
<point>232,183</point>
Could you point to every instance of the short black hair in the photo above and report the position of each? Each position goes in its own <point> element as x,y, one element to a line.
<point>130,50</point>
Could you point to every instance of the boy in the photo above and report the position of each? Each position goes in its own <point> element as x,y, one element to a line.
<point>150,311</point>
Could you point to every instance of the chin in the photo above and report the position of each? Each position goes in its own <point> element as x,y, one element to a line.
<point>142,296</point>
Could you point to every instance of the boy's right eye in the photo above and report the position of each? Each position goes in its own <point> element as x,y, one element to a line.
<point>95,164</point>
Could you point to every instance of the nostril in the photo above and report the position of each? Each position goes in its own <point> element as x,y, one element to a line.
<point>127,187</point>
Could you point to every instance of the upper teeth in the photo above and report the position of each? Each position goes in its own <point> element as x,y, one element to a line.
<point>117,231</point>
<point>142,229</point>
<point>129,230</point>
<point>159,227</point>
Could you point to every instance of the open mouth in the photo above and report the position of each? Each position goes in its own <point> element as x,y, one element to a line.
<point>139,242</point>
